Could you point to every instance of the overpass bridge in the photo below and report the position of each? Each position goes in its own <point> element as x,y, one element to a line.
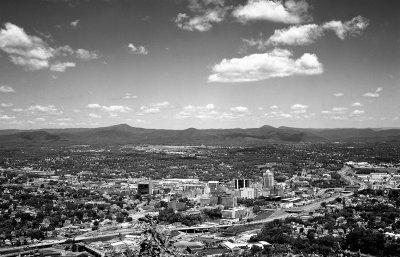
<point>279,214</point>
<point>200,229</point>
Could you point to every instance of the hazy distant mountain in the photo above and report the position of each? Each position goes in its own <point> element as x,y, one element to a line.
<point>124,134</point>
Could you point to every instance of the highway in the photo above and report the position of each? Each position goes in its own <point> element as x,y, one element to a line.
<point>352,180</point>
<point>282,214</point>
<point>279,214</point>
<point>49,243</point>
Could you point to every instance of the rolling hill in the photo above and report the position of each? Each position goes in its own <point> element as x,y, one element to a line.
<point>125,134</point>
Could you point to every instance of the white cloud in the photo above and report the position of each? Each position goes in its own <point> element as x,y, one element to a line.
<point>201,22</point>
<point>33,53</point>
<point>335,111</point>
<point>299,108</point>
<point>342,113</point>
<point>47,109</point>
<point>149,110</point>
<point>339,109</point>
<point>211,112</point>
<point>65,50</point>
<point>6,105</point>
<point>94,106</point>
<point>274,107</point>
<point>24,50</point>
<point>278,115</point>
<point>94,115</point>
<point>374,94</point>
<point>357,112</point>
<point>116,108</point>
<point>239,109</point>
<point>201,112</point>
<point>141,50</point>
<point>40,119</point>
<point>85,54</point>
<point>129,96</point>
<point>61,66</point>
<point>153,108</point>
<point>80,53</point>
<point>112,110</point>
<point>205,14</point>
<point>7,89</point>
<point>356,104</point>
<point>352,27</point>
<point>29,63</point>
<point>307,34</point>
<point>338,94</point>
<point>161,104</point>
<point>200,5</point>
<point>74,23</point>
<point>285,115</point>
<point>256,67</point>
<point>296,35</point>
<point>254,42</point>
<point>6,117</point>
<point>290,12</point>
<point>199,108</point>
<point>371,94</point>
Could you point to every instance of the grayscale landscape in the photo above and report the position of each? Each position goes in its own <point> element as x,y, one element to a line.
<point>199,128</point>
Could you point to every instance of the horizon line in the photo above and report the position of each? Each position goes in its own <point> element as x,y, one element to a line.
<point>126,124</point>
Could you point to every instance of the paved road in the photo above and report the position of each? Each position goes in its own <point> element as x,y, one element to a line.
<point>279,214</point>
<point>352,180</point>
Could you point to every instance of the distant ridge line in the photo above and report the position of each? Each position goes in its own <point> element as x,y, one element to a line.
<point>124,133</point>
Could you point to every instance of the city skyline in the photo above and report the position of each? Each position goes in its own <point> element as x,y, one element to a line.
<point>200,63</point>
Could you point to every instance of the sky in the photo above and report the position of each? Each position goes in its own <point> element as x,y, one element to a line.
<point>176,64</point>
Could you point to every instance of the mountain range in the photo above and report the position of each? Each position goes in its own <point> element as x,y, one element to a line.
<point>125,134</point>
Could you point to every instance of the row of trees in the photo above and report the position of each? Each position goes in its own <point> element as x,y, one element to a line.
<point>169,216</point>
<point>280,233</point>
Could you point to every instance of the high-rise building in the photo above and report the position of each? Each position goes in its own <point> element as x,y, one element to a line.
<point>242,183</point>
<point>268,179</point>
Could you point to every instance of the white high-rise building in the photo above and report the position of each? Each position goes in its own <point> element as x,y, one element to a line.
<point>248,192</point>
<point>268,179</point>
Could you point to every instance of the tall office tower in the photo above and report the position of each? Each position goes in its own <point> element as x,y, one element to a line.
<point>268,179</point>
<point>242,183</point>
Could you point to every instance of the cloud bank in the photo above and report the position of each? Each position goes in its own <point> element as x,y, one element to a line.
<point>289,12</point>
<point>256,67</point>
<point>301,35</point>
<point>33,53</point>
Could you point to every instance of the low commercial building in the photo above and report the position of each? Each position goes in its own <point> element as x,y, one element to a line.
<point>237,213</point>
